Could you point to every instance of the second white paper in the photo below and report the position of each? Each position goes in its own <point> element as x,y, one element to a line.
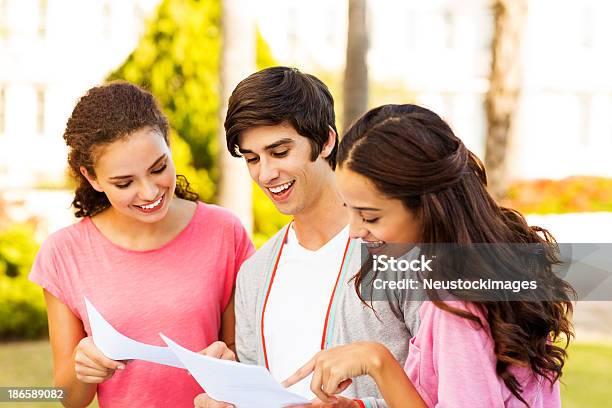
<point>243,385</point>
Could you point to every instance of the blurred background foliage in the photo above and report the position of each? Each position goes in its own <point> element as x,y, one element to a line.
<point>573,194</point>
<point>22,309</point>
<point>178,59</point>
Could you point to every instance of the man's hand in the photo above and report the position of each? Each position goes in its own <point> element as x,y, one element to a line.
<point>219,349</point>
<point>204,401</point>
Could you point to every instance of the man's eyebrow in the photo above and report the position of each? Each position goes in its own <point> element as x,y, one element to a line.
<point>159,159</point>
<point>278,143</point>
<point>274,145</point>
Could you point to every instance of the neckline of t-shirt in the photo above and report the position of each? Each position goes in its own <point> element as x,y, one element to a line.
<point>292,239</point>
<point>199,207</point>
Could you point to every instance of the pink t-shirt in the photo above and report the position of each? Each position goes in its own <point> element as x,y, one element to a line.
<point>451,363</point>
<point>180,289</point>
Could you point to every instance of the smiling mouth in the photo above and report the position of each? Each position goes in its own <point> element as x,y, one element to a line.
<point>279,189</point>
<point>373,244</point>
<point>282,191</point>
<point>155,205</point>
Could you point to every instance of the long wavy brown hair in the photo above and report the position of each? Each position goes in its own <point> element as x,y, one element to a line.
<point>412,155</point>
<point>102,116</point>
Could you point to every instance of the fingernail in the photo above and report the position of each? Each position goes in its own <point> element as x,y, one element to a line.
<point>120,367</point>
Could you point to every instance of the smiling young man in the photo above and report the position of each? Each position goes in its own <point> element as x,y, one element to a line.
<point>295,296</point>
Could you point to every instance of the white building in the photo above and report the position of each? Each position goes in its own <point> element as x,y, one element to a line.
<point>439,49</point>
<point>51,52</point>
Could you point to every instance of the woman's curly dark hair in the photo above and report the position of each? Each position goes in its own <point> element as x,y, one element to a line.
<point>412,155</point>
<point>103,115</point>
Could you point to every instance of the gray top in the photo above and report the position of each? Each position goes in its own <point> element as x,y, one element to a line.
<point>393,323</point>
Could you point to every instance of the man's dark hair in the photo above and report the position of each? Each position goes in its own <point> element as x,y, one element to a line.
<point>279,95</point>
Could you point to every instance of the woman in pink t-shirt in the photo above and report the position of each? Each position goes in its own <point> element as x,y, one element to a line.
<point>146,253</point>
<point>407,179</point>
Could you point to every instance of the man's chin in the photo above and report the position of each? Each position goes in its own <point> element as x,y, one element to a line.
<point>287,209</point>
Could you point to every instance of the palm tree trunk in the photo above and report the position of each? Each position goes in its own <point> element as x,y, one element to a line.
<point>502,99</point>
<point>356,70</point>
<point>238,56</point>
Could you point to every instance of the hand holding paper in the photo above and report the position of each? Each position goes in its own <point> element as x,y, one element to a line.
<point>116,346</point>
<point>91,366</point>
<point>244,386</point>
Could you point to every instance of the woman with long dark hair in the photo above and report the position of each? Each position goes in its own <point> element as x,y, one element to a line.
<point>146,253</point>
<point>407,179</point>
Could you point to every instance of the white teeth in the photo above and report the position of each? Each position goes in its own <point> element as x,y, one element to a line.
<point>373,244</point>
<point>280,188</point>
<point>153,205</point>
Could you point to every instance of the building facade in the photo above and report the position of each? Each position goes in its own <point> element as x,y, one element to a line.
<point>439,50</point>
<point>51,52</point>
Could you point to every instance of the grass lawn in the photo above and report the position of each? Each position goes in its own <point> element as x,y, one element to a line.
<point>27,364</point>
<point>586,382</point>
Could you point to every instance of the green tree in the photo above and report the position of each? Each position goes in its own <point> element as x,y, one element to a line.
<point>178,60</point>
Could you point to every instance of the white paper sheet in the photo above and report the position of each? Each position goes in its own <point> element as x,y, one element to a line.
<point>117,346</point>
<point>243,385</point>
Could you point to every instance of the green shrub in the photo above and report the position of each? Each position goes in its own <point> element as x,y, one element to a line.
<point>23,314</point>
<point>177,59</point>
<point>22,308</point>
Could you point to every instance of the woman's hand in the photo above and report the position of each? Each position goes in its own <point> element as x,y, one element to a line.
<point>91,366</point>
<point>219,350</point>
<point>333,368</point>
